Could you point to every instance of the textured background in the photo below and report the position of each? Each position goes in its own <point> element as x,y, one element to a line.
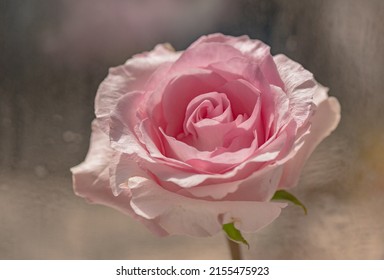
<point>54,54</point>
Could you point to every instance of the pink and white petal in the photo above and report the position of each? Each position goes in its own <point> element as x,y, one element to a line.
<point>259,186</point>
<point>91,179</point>
<point>99,151</point>
<point>299,85</point>
<point>96,189</point>
<point>281,110</point>
<point>261,54</point>
<point>241,43</point>
<point>256,49</point>
<point>122,122</point>
<point>210,191</point>
<point>324,121</point>
<point>131,76</point>
<point>150,136</point>
<point>321,94</point>
<point>122,167</point>
<point>204,54</point>
<point>182,215</point>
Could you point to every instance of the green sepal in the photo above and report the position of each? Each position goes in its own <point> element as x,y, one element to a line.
<point>234,234</point>
<point>284,195</point>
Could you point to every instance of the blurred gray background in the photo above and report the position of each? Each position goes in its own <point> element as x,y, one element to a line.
<point>54,54</point>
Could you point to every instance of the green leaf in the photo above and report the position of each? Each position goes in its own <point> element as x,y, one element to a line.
<point>234,234</point>
<point>284,195</point>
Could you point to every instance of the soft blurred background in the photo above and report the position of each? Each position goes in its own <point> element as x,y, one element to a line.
<point>54,54</point>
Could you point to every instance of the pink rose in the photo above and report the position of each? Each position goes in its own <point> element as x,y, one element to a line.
<point>188,141</point>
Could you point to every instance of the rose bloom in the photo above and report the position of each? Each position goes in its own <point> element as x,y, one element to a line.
<point>188,141</point>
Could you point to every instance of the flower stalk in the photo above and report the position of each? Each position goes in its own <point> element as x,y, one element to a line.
<point>234,249</point>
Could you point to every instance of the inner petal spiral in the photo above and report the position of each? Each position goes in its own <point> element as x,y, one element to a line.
<point>207,108</point>
<point>208,119</point>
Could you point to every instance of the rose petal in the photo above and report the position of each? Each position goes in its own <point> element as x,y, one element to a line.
<point>257,50</point>
<point>122,167</point>
<point>259,186</point>
<point>123,120</point>
<point>299,85</point>
<point>94,169</point>
<point>324,121</point>
<point>321,94</point>
<point>91,179</point>
<point>131,76</point>
<point>182,215</point>
<point>203,54</point>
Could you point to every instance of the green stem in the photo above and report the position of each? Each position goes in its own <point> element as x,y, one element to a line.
<point>235,250</point>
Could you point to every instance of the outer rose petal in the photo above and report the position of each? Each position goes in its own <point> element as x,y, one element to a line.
<point>300,87</point>
<point>91,179</point>
<point>256,49</point>
<point>266,181</point>
<point>122,122</point>
<point>131,76</point>
<point>94,170</point>
<point>324,121</point>
<point>181,215</point>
